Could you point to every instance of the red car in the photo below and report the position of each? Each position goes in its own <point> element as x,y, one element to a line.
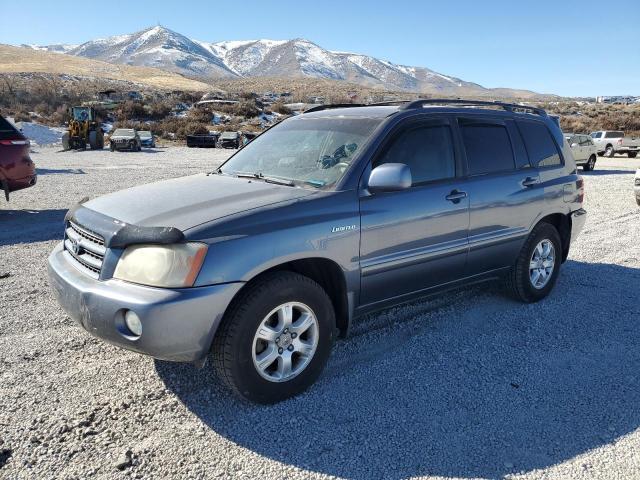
<point>17,171</point>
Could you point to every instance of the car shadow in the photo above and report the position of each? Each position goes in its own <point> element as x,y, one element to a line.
<point>28,226</point>
<point>59,171</point>
<point>597,173</point>
<point>477,386</point>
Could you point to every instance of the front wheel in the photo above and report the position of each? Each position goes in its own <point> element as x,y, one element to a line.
<point>536,269</point>
<point>275,338</point>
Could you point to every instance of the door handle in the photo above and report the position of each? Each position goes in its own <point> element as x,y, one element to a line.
<point>529,181</point>
<point>456,195</point>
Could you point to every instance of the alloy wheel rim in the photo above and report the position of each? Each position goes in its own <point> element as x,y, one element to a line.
<point>285,342</point>
<point>542,264</point>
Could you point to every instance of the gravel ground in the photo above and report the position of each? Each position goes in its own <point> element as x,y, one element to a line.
<point>470,385</point>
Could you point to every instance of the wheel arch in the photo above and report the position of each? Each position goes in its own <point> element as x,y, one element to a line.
<point>326,273</point>
<point>562,223</point>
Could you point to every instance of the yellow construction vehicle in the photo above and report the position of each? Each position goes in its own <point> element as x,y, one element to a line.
<point>83,130</point>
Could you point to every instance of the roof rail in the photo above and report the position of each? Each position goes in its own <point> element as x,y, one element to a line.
<point>509,107</point>
<point>329,106</point>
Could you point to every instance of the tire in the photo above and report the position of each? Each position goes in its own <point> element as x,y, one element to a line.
<point>236,342</point>
<point>93,140</point>
<point>519,281</point>
<point>590,165</point>
<point>632,154</point>
<point>66,144</point>
<point>609,152</point>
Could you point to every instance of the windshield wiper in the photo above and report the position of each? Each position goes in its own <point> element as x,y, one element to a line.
<point>265,178</point>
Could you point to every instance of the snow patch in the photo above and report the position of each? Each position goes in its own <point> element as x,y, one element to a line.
<point>41,134</point>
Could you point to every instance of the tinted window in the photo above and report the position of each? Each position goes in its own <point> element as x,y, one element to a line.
<point>614,135</point>
<point>7,131</point>
<point>596,134</point>
<point>540,145</point>
<point>427,150</point>
<point>585,141</point>
<point>488,148</point>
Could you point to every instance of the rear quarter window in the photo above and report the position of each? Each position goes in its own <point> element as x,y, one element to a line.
<point>541,148</point>
<point>488,148</point>
<point>614,135</point>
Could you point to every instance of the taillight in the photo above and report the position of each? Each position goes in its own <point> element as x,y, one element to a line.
<point>620,141</point>
<point>14,142</point>
<point>580,189</point>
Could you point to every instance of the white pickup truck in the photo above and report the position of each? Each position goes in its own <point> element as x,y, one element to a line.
<point>610,142</point>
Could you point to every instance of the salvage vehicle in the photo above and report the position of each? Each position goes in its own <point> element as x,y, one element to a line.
<point>636,186</point>
<point>147,139</point>
<point>324,218</point>
<point>229,140</point>
<point>125,139</point>
<point>610,142</point>
<point>17,170</point>
<point>203,140</point>
<point>583,149</point>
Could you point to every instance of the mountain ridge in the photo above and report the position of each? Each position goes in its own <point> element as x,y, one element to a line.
<point>163,48</point>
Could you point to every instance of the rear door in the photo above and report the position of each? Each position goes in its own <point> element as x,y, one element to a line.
<point>504,191</point>
<point>416,238</point>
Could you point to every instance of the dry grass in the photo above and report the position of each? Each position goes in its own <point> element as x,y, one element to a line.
<point>20,59</point>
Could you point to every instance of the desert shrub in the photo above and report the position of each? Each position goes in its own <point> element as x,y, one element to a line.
<point>158,110</point>
<point>130,110</point>
<point>247,109</point>
<point>280,108</point>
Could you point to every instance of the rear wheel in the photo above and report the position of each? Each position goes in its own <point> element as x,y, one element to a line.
<point>93,140</point>
<point>632,154</point>
<point>538,264</point>
<point>276,338</point>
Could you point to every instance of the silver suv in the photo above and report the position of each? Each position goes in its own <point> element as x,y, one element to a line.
<point>324,218</point>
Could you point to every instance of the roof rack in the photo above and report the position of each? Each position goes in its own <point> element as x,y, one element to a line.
<point>330,106</point>
<point>509,107</point>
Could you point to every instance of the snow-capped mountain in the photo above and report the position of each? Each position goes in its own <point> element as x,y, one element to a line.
<point>163,48</point>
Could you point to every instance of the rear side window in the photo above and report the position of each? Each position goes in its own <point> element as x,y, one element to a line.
<point>614,135</point>
<point>596,135</point>
<point>488,148</point>
<point>541,148</point>
<point>7,132</point>
<point>427,150</point>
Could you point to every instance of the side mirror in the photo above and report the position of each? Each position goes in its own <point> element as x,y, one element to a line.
<point>574,145</point>
<point>390,177</point>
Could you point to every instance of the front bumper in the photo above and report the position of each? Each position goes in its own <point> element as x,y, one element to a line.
<point>177,324</point>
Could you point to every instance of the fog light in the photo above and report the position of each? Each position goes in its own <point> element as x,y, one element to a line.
<point>133,323</point>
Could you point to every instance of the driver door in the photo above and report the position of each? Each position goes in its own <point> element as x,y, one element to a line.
<point>415,239</point>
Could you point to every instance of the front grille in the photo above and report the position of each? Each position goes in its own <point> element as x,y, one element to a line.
<point>85,248</point>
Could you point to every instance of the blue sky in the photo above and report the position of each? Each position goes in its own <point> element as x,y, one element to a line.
<point>565,47</point>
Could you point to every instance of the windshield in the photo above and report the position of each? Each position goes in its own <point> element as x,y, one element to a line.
<point>313,151</point>
<point>144,134</point>
<point>229,135</point>
<point>125,132</point>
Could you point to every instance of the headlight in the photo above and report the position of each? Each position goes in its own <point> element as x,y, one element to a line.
<point>161,265</point>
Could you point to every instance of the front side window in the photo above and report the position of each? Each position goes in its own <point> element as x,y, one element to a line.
<point>540,146</point>
<point>426,149</point>
<point>596,135</point>
<point>312,152</point>
<point>488,148</point>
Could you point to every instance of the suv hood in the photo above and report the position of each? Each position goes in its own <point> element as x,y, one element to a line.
<point>120,137</point>
<point>190,201</point>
